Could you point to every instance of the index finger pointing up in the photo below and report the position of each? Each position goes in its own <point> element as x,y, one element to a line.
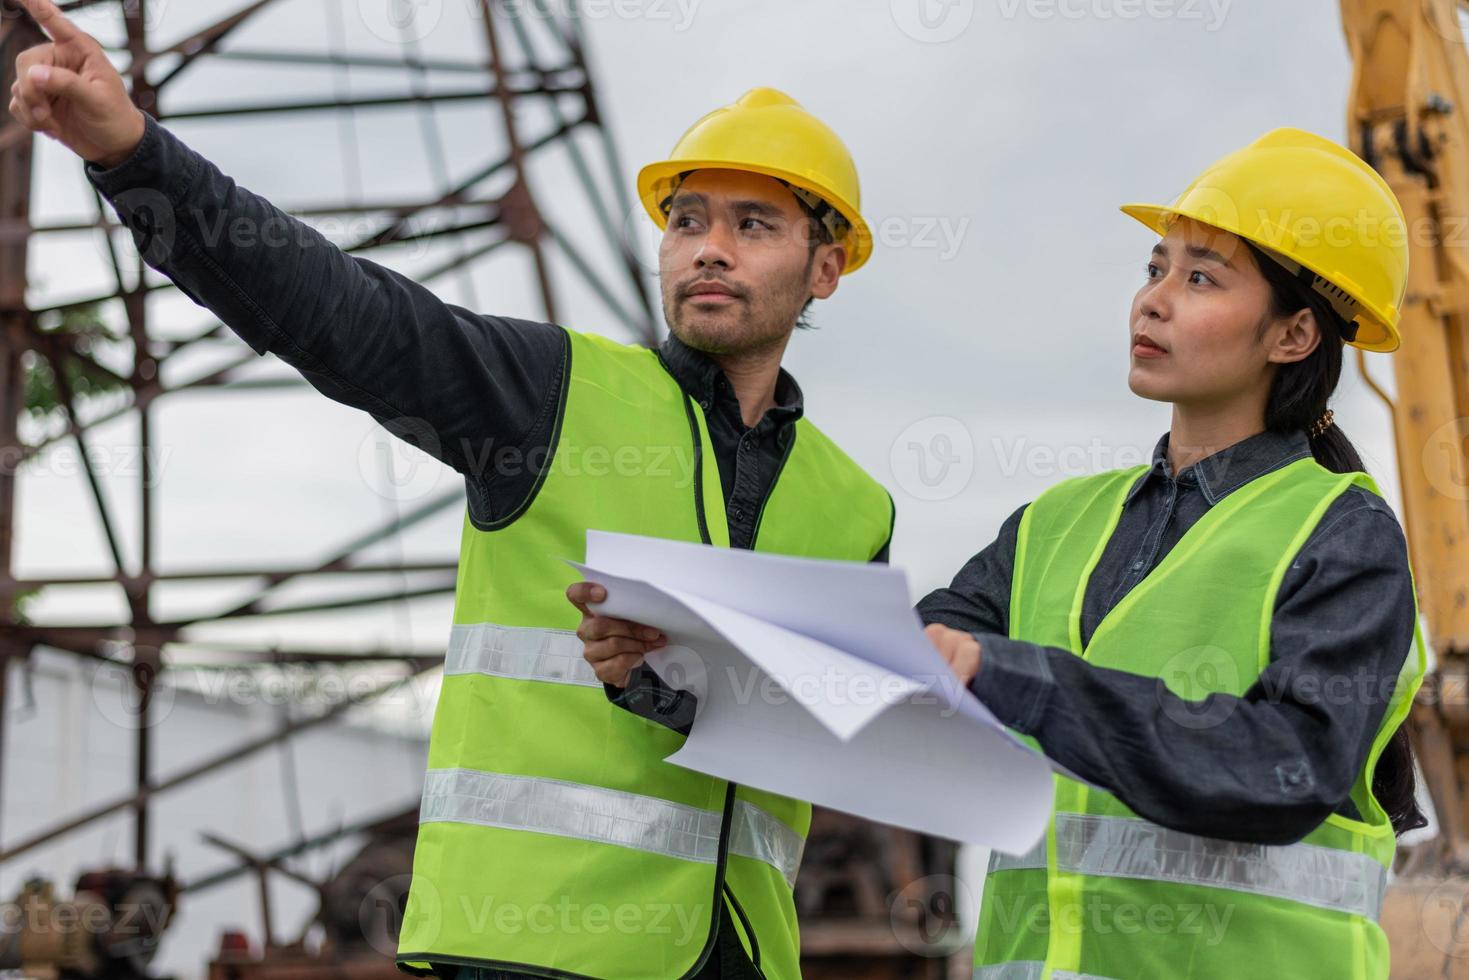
<point>52,20</point>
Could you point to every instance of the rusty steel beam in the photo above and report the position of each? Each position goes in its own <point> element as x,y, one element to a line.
<point>225,572</point>
<point>560,79</point>
<point>242,657</point>
<point>374,102</point>
<point>16,34</point>
<point>524,217</point>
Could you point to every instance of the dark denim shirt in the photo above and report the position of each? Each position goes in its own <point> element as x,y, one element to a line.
<point>1282,757</point>
<point>474,390</point>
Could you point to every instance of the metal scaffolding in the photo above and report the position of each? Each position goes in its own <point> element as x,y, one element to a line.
<point>531,55</point>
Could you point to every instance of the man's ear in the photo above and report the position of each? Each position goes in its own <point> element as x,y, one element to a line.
<point>830,261</point>
<point>1300,337</point>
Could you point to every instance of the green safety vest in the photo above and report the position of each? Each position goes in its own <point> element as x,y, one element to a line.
<point>1107,894</point>
<point>553,838</point>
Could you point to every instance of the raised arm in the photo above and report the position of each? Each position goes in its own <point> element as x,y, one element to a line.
<point>464,387</point>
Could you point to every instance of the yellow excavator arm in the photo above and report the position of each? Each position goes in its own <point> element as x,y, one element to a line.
<point>1408,116</point>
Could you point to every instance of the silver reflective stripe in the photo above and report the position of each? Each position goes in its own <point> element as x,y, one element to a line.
<point>607,816</point>
<point>1122,847</point>
<point>525,653</point>
<point>759,835</point>
<point>1027,970</point>
<point>552,806</point>
<point>1032,860</point>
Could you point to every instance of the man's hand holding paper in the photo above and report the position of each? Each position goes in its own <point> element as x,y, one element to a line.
<point>815,680</point>
<point>613,646</point>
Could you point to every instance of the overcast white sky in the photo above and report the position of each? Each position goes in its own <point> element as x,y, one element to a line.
<point>994,141</point>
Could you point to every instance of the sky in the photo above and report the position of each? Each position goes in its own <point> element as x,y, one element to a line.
<point>980,356</point>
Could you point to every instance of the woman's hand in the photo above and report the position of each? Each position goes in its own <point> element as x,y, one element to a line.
<point>959,649</point>
<point>69,90</point>
<point>613,646</point>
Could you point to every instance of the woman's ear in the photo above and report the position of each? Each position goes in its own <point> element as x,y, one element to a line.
<point>1293,338</point>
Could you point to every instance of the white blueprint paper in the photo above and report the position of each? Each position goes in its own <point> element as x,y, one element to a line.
<point>815,681</point>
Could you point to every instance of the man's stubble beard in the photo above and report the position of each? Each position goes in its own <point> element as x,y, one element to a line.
<point>757,327</point>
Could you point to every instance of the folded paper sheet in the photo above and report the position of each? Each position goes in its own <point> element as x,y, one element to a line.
<point>815,681</point>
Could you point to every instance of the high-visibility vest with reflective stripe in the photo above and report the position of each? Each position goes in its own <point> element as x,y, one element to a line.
<point>1108,894</point>
<point>553,837</point>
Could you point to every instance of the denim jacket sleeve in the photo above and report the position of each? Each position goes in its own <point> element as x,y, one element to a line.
<point>1266,767</point>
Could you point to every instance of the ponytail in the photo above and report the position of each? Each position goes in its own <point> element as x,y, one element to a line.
<point>1297,401</point>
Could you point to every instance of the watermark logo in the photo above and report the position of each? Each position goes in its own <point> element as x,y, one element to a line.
<point>1444,916</point>
<point>388,910</point>
<point>933,459</point>
<point>391,460</point>
<point>1210,13</point>
<point>119,697</point>
<point>1446,459</point>
<point>932,21</point>
<point>1192,675</point>
<point>401,21</point>
<point>682,669</point>
<point>67,461</point>
<point>677,14</point>
<point>1068,460</point>
<point>926,915</point>
<point>149,215</point>
<point>1206,923</point>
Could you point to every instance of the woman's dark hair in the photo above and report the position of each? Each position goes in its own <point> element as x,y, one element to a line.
<point>1298,396</point>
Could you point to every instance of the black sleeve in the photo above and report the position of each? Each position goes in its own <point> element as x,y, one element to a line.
<point>1266,767</point>
<point>978,600</point>
<point>649,698</point>
<point>479,392</point>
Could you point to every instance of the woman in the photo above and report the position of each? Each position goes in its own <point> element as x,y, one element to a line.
<point>1223,643</point>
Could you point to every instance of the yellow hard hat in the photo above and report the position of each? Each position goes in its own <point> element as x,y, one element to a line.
<point>1321,209</point>
<point>768,132</point>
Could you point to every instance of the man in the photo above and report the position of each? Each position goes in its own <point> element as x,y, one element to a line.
<point>553,840</point>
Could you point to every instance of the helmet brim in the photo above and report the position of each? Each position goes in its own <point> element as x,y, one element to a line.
<point>858,241</point>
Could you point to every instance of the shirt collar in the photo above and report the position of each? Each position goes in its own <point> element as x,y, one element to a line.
<point>1221,473</point>
<point>703,379</point>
